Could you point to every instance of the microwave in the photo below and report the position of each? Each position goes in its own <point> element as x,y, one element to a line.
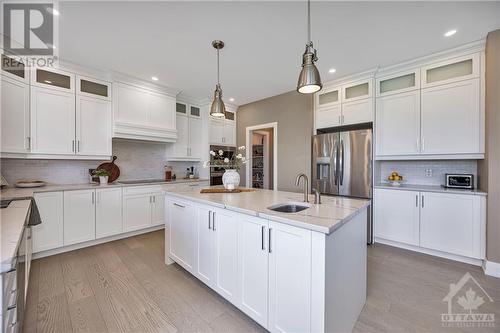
<point>465,181</point>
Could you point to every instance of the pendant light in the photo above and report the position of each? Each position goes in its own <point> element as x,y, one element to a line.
<point>309,79</point>
<point>218,108</point>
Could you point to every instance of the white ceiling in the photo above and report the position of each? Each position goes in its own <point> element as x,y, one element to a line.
<point>264,40</point>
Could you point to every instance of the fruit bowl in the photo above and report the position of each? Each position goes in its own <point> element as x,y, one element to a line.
<point>395,182</point>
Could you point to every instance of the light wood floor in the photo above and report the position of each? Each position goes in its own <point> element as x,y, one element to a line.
<point>124,286</point>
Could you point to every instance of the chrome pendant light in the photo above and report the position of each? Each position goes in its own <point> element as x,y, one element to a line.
<point>309,78</point>
<point>218,108</point>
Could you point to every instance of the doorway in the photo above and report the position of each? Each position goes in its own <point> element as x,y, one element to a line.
<point>261,153</point>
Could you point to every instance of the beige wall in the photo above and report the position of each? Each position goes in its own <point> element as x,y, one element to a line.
<point>489,169</point>
<point>294,114</point>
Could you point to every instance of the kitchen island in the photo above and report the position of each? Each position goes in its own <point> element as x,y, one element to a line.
<point>290,272</point>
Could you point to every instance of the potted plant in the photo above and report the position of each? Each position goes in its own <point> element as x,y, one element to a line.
<point>231,177</point>
<point>103,176</point>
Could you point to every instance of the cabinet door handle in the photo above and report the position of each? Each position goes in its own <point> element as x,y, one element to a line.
<point>176,204</point>
<point>417,141</point>
<point>423,144</point>
<point>269,240</point>
<point>93,200</point>
<point>340,120</point>
<point>423,201</point>
<point>213,221</point>
<point>73,146</point>
<point>262,236</point>
<point>29,142</point>
<point>78,149</point>
<point>416,200</point>
<point>209,218</point>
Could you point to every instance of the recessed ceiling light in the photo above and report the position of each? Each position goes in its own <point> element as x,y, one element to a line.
<point>450,33</point>
<point>53,11</point>
<point>332,70</point>
<point>154,78</point>
<point>231,99</point>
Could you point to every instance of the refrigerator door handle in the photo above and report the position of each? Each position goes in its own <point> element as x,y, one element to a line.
<point>335,163</point>
<point>341,162</point>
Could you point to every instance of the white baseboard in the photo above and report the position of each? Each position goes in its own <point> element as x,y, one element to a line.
<point>467,260</point>
<point>491,268</point>
<point>68,248</point>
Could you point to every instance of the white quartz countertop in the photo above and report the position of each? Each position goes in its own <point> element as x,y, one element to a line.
<point>429,188</point>
<point>16,192</point>
<point>332,213</point>
<point>11,227</point>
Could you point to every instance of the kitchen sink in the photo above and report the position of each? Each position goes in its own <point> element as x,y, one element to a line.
<point>289,207</point>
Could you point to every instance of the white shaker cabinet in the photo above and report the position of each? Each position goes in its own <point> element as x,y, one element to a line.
<point>108,212</point>
<point>79,216</point>
<point>49,234</point>
<point>253,268</point>
<point>205,246</point>
<point>93,126</point>
<point>357,112</point>
<point>216,129</point>
<point>136,211</point>
<point>396,213</point>
<point>223,131</point>
<point>157,209</point>
<point>93,117</point>
<point>397,125</point>
<point>52,121</point>
<point>14,116</point>
<point>188,146</point>
<point>182,233</point>
<point>289,287</point>
<point>451,118</point>
<point>226,254</point>
<point>451,223</point>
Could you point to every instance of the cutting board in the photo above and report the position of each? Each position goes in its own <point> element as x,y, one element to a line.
<point>112,168</point>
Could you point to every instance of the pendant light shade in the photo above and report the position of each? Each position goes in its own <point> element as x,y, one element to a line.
<point>309,79</point>
<point>218,109</point>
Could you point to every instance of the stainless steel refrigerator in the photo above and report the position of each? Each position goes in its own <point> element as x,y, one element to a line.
<point>342,165</point>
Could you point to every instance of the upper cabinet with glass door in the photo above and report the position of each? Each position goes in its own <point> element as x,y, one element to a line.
<point>53,79</point>
<point>93,88</point>
<point>398,83</point>
<point>356,91</point>
<point>194,111</point>
<point>14,69</point>
<point>328,97</point>
<point>451,70</point>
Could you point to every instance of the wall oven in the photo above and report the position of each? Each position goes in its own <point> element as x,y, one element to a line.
<point>217,172</point>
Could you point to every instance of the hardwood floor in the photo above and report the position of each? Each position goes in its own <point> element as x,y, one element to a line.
<point>124,286</point>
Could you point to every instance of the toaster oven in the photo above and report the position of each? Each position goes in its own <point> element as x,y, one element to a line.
<point>465,181</point>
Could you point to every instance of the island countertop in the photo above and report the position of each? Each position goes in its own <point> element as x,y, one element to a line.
<point>12,225</point>
<point>326,217</point>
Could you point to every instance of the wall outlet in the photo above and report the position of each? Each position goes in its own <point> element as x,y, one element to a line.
<point>428,172</point>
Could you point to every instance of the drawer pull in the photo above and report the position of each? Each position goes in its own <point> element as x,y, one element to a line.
<point>176,204</point>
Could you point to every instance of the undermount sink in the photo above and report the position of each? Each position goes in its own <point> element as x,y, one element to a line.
<point>289,207</point>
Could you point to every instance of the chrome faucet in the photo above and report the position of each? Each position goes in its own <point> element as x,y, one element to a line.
<point>317,197</point>
<point>305,187</point>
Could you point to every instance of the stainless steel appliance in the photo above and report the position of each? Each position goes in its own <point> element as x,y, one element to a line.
<point>465,181</point>
<point>217,172</point>
<point>342,165</point>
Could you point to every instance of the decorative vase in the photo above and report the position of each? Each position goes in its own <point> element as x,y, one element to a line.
<point>103,180</point>
<point>231,179</point>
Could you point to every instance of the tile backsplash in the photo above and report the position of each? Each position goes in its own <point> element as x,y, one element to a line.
<point>430,172</point>
<point>136,160</point>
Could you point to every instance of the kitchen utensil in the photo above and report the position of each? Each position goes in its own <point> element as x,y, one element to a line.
<point>30,183</point>
<point>112,168</point>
